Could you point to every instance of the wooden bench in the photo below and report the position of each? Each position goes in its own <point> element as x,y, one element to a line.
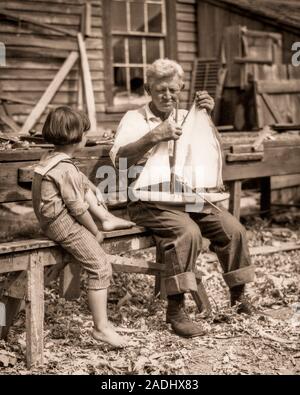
<point>33,264</point>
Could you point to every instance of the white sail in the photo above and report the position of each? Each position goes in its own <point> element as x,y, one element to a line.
<point>198,156</point>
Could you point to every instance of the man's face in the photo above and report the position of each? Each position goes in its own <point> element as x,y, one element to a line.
<point>165,93</point>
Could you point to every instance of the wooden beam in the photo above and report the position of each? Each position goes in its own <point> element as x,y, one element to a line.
<point>8,120</point>
<point>282,86</point>
<point>27,19</point>
<point>272,108</point>
<point>88,19</point>
<point>171,39</point>
<point>49,93</point>
<point>108,51</point>
<point>87,81</point>
<point>11,97</point>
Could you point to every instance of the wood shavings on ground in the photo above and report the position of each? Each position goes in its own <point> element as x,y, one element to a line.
<point>266,343</point>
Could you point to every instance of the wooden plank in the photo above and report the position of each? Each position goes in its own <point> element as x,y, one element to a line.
<point>42,85</point>
<point>108,51</point>
<point>89,93</point>
<point>8,120</point>
<point>282,86</point>
<point>35,6</point>
<point>280,182</point>
<point>265,250</point>
<point>286,126</point>
<point>32,244</point>
<point>34,41</point>
<point>171,43</point>
<point>31,52</point>
<point>34,21</point>
<point>277,161</point>
<point>272,108</point>
<point>35,311</point>
<point>88,19</point>
<point>244,157</point>
<point>50,92</point>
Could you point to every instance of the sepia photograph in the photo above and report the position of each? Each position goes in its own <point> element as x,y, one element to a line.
<point>150,190</point>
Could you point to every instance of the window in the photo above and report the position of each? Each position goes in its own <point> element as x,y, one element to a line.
<point>138,35</point>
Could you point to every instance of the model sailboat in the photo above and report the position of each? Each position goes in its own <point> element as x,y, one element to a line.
<point>196,165</point>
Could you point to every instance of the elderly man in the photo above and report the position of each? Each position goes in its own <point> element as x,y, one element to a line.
<point>177,233</point>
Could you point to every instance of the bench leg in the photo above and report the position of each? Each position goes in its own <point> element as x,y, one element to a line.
<point>12,308</point>
<point>200,297</point>
<point>160,288</point>
<point>265,196</point>
<point>35,311</point>
<point>235,198</point>
<point>14,290</point>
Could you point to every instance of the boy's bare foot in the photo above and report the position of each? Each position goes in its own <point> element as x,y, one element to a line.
<point>110,336</point>
<point>113,223</point>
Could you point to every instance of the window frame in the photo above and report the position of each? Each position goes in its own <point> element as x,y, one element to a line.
<point>170,50</point>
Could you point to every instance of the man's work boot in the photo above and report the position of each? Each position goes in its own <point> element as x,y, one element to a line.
<point>181,323</point>
<point>238,297</point>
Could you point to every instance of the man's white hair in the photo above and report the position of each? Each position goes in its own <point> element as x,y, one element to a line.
<point>164,68</point>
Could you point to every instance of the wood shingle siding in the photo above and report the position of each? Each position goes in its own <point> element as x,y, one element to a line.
<point>35,54</point>
<point>187,40</point>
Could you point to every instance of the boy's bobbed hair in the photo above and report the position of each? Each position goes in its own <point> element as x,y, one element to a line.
<point>64,126</point>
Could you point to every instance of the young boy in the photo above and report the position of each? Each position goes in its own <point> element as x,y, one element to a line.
<point>63,199</point>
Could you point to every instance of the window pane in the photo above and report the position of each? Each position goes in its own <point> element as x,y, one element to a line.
<point>135,50</point>
<point>152,49</point>
<point>120,79</point>
<point>119,19</point>
<point>137,81</point>
<point>118,50</point>
<point>154,18</point>
<point>137,16</point>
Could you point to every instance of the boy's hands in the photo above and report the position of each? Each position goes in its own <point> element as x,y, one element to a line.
<point>99,237</point>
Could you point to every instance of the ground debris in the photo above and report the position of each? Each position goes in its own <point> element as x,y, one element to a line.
<point>267,343</point>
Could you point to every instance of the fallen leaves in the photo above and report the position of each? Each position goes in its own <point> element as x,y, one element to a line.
<point>7,359</point>
<point>265,343</point>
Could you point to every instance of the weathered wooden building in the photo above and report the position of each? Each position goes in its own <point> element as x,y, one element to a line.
<point>122,37</point>
<point>265,15</point>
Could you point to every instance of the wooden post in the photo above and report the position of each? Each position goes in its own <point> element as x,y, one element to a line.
<point>88,19</point>
<point>235,198</point>
<point>35,310</point>
<point>49,93</point>
<point>265,196</point>
<point>88,86</point>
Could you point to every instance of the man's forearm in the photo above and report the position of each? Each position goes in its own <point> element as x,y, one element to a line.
<point>133,152</point>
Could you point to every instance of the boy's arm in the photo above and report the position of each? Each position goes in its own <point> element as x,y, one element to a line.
<point>71,191</point>
<point>87,221</point>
